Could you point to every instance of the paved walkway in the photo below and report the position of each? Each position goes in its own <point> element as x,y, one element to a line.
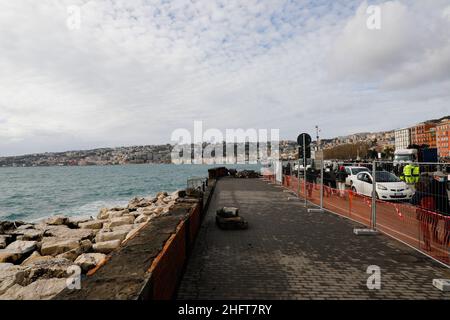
<point>288,253</point>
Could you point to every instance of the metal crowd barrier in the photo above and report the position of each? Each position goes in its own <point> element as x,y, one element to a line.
<point>422,222</point>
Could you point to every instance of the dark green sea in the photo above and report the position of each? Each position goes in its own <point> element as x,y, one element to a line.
<point>32,193</point>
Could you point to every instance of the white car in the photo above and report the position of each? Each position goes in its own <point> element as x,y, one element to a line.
<point>389,187</point>
<point>352,173</point>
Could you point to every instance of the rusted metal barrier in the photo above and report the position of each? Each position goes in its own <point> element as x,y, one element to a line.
<point>150,265</point>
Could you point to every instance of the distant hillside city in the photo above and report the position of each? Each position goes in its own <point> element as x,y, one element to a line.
<point>432,133</point>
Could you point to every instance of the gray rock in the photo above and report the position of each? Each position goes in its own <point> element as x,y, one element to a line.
<point>5,266</point>
<point>11,275</point>
<point>140,219</point>
<point>56,220</point>
<point>29,234</point>
<point>35,256</point>
<point>85,246</point>
<point>55,246</point>
<point>49,268</point>
<point>74,222</point>
<point>64,232</point>
<point>115,222</point>
<point>93,224</point>
<point>4,240</point>
<point>8,256</point>
<point>111,235</point>
<point>87,261</point>
<point>124,227</point>
<point>107,246</point>
<point>25,227</point>
<point>42,289</point>
<point>22,247</point>
<point>103,214</point>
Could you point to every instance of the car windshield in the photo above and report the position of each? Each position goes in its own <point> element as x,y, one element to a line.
<point>383,176</point>
<point>358,170</point>
<point>403,157</point>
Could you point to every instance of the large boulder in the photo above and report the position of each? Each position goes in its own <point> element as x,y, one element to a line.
<point>106,246</point>
<point>139,203</point>
<point>111,235</point>
<point>9,257</point>
<point>4,241</point>
<point>70,255</point>
<point>103,214</point>
<point>11,275</point>
<point>57,220</point>
<point>115,222</point>
<point>29,234</point>
<point>141,218</point>
<point>25,227</point>
<point>17,250</point>
<point>34,257</point>
<point>73,222</point>
<point>42,289</point>
<point>9,226</point>
<point>63,232</point>
<point>85,246</point>
<point>161,195</point>
<point>124,227</point>
<point>49,268</point>
<point>22,247</point>
<point>117,214</point>
<point>92,224</point>
<point>156,210</point>
<point>55,246</point>
<point>87,261</point>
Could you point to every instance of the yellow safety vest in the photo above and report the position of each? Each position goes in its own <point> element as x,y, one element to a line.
<point>407,171</point>
<point>416,171</point>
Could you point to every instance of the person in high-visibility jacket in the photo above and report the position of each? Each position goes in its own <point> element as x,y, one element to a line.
<point>407,172</point>
<point>416,173</point>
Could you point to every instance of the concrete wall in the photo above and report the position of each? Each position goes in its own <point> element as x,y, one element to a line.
<point>150,265</point>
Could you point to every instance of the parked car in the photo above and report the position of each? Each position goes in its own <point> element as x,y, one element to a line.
<point>389,186</point>
<point>352,173</point>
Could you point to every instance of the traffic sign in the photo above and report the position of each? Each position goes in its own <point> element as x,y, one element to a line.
<point>304,137</point>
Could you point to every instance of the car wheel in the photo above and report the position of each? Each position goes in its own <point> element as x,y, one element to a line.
<point>354,190</point>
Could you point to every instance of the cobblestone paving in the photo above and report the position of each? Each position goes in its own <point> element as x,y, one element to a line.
<point>288,253</point>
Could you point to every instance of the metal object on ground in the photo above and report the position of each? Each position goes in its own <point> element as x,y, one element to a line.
<point>315,210</point>
<point>227,218</point>
<point>442,284</point>
<point>365,232</point>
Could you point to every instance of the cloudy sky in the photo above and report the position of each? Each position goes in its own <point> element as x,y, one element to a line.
<point>133,71</point>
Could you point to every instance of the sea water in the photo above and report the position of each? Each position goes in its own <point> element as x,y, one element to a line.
<point>32,193</point>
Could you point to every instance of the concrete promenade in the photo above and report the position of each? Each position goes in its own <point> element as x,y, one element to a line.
<point>288,253</point>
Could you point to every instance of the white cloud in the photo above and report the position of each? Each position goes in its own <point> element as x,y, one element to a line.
<point>138,69</point>
<point>410,49</point>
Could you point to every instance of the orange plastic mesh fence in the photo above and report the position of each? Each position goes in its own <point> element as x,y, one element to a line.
<point>424,230</point>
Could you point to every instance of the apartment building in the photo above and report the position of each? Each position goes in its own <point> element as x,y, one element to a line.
<point>402,138</point>
<point>424,133</point>
<point>442,138</point>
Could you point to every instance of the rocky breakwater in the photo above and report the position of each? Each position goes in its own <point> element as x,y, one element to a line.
<point>36,259</point>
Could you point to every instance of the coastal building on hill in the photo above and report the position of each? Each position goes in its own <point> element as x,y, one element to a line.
<point>424,134</point>
<point>442,138</point>
<point>402,138</point>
